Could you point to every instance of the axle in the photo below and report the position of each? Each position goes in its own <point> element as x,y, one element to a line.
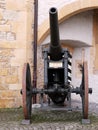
<point>76,90</point>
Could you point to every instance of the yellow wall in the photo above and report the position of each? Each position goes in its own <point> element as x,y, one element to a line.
<point>15,39</point>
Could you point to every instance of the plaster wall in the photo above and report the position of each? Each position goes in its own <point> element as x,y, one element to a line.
<point>45,5</point>
<point>76,28</point>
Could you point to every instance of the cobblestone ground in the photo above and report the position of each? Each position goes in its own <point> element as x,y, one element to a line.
<point>10,119</point>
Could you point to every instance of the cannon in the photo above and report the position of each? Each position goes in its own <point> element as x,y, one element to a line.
<point>57,79</point>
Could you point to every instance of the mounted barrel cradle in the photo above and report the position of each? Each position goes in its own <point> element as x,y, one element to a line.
<point>57,75</point>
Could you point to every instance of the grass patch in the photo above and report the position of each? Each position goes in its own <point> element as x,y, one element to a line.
<point>93,118</point>
<point>56,116</point>
<point>60,116</point>
<point>41,116</point>
<point>11,114</point>
<point>10,109</point>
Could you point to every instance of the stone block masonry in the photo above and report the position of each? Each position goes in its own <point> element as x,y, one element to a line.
<point>2,4</point>
<point>14,39</point>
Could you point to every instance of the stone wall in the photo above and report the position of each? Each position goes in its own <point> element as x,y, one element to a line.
<point>15,39</point>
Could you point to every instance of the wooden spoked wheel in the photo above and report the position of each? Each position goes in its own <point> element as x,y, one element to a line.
<point>84,90</point>
<point>26,91</point>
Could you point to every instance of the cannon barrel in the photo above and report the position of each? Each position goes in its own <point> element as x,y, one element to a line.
<point>55,49</point>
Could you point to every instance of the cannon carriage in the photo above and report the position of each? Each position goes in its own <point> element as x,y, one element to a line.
<point>57,79</point>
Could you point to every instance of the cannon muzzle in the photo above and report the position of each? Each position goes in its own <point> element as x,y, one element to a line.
<point>55,49</point>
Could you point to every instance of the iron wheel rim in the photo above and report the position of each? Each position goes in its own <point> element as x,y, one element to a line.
<point>85,91</point>
<point>26,91</point>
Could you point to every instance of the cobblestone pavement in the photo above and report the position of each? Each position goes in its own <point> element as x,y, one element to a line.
<point>10,119</point>
<point>46,126</point>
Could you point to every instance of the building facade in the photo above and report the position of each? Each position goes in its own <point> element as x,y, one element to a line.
<point>78,24</point>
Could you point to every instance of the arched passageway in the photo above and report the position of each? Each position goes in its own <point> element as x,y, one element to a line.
<point>65,12</point>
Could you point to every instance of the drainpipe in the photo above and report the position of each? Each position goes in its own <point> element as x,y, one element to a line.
<point>35,47</point>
